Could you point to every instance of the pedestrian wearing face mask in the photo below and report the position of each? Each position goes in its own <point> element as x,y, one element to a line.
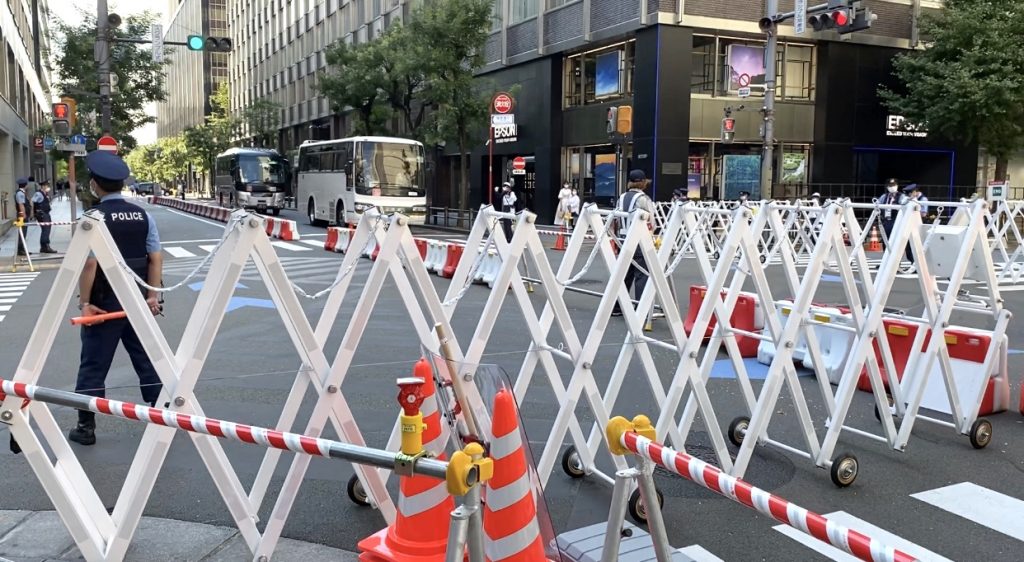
<point>574,206</point>
<point>892,196</point>
<point>562,208</point>
<point>41,209</point>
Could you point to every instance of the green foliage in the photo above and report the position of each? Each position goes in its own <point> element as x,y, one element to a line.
<point>208,139</point>
<point>354,81</point>
<point>165,161</point>
<point>968,83</point>
<point>140,80</point>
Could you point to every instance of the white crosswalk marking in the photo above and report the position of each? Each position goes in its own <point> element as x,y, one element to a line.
<point>208,248</point>
<point>12,286</point>
<point>699,553</point>
<point>289,246</point>
<point>996,511</point>
<point>314,243</point>
<point>868,529</point>
<point>179,252</point>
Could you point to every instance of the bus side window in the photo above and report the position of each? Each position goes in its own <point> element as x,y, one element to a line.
<point>345,163</point>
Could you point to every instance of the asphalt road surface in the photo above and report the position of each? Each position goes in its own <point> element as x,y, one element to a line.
<point>940,499</point>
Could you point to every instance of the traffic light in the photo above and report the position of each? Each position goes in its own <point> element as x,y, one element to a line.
<point>72,110</point>
<point>624,120</point>
<point>611,121</point>
<point>728,129</point>
<point>212,44</point>
<point>830,19</point>
<point>61,115</point>
<point>862,19</point>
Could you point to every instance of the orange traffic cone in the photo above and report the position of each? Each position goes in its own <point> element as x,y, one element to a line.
<point>511,531</point>
<point>420,532</point>
<point>560,240</point>
<point>874,244</point>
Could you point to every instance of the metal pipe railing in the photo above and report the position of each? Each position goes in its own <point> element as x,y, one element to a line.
<point>624,437</point>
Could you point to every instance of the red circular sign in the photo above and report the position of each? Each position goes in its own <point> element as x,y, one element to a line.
<point>744,80</point>
<point>107,143</point>
<point>519,163</point>
<point>502,103</point>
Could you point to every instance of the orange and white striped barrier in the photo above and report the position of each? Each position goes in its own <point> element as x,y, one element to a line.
<point>511,531</point>
<point>282,229</point>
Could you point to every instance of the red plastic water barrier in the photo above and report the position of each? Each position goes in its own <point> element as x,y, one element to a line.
<point>454,255</point>
<point>332,239</point>
<point>421,245</point>
<point>744,317</point>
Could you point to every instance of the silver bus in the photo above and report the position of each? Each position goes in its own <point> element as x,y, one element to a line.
<point>253,178</point>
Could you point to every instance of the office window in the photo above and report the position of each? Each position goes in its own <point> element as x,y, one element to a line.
<point>722,66</point>
<point>702,77</point>
<point>496,14</point>
<point>599,76</point>
<point>521,10</point>
<point>552,4</point>
<point>798,72</point>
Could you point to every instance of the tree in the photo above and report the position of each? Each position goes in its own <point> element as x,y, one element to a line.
<point>141,81</point>
<point>457,31</point>
<point>263,119</point>
<point>355,80</point>
<point>967,84</point>
<point>143,161</point>
<point>402,53</point>
<point>212,137</point>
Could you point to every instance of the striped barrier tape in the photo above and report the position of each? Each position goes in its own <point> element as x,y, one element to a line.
<point>711,477</point>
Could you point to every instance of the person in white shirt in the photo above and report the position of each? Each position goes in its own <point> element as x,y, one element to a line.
<point>508,205</point>
<point>562,209</point>
<point>574,206</point>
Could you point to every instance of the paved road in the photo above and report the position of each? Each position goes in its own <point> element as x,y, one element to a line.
<point>954,502</point>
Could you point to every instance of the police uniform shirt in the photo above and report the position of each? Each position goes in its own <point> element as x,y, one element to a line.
<point>630,201</point>
<point>508,202</point>
<point>20,198</point>
<point>41,204</point>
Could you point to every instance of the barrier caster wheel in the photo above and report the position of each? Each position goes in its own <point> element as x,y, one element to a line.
<point>715,256</point>
<point>572,464</point>
<point>637,509</point>
<point>981,433</point>
<point>844,470</point>
<point>356,493</point>
<point>763,258</point>
<point>738,430</point>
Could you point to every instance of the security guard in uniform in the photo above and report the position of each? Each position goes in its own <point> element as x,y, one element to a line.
<point>632,200</point>
<point>41,209</point>
<point>21,205</point>
<point>135,234</point>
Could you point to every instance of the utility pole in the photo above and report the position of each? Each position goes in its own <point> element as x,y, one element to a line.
<point>103,63</point>
<point>768,127</point>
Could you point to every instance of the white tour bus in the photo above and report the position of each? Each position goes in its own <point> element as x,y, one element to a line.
<point>339,179</point>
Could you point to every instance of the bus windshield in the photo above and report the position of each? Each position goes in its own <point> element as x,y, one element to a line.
<point>390,170</point>
<point>253,168</point>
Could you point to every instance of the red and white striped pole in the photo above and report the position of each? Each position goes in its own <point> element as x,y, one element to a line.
<point>625,436</point>
<point>254,435</point>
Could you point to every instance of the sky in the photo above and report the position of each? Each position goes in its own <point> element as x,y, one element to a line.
<point>69,10</point>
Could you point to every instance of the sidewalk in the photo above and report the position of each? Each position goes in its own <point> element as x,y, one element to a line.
<point>40,536</point>
<point>60,237</point>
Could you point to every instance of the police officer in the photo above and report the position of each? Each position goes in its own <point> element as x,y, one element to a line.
<point>914,194</point>
<point>892,196</point>
<point>508,205</point>
<point>41,209</point>
<point>632,200</point>
<point>135,234</point>
<point>22,206</point>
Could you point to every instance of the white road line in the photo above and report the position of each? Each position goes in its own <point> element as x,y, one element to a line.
<point>868,529</point>
<point>9,294</point>
<point>178,252</point>
<point>2,317</point>
<point>289,246</point>
<point>5,308</point>
<point>208,248</point>
<point>8,301</point>
<point>996,511</point>
<point>189,241</point>
<point>314,243</point>
<point>699,553</point>
<point>193,217</point>
<point>18,285</point>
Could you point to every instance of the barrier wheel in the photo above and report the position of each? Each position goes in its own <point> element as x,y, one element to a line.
<point>572,464</point>
<point>356,493</point>
<point>738,430</point>
<point>844,470</point>
<point>715,256</point>
<point>981,433</point>
<point>637,509</point>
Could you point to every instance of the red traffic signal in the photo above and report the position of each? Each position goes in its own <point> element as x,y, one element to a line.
<point>61,111</point>
<point>729,125</point>
<point>830,19</point>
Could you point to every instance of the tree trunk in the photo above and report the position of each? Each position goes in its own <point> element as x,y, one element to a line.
<point>463,172</point>
<point>1001,165</point>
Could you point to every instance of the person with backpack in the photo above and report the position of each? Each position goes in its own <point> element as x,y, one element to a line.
<point>633,200</point>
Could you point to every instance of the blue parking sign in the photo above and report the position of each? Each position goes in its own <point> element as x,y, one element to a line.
<point>48,143</point>
<point>79,139</point>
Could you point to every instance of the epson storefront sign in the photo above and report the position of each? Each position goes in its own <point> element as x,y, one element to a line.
<point>506,133</point>
<point>897,126</point>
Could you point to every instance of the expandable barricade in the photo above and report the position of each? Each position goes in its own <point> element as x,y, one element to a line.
<point>452,262</point>
<point>747,315</point>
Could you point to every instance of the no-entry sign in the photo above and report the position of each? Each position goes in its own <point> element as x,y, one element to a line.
<point>107,143</point>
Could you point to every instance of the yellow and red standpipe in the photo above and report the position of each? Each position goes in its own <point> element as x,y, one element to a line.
<point>638,437</point>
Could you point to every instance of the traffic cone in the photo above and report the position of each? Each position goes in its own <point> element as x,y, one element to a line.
<point>874,245</point>
<point>420,531</point>
<point>560,240</point>
<point>511,531</point>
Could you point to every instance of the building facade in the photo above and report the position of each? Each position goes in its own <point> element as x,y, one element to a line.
<point>191,77</point>
<point>678,64</point>
<point>24,92</point>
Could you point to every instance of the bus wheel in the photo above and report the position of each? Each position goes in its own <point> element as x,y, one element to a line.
<point>339,216</point>
<point>311,213</point>
<point>275,211</point>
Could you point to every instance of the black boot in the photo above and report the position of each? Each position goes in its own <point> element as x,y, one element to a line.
<point>47,250</point>
<point>85,433</point>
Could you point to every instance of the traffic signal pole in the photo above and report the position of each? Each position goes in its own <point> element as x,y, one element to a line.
<point>768,129</point>
<point>103,64</point>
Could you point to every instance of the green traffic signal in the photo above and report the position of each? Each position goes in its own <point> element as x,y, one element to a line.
<point>196,42</point>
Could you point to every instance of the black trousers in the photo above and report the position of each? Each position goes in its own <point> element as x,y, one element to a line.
<point>636,279</point>
<point>99,343</point>
<point>44,231</point>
